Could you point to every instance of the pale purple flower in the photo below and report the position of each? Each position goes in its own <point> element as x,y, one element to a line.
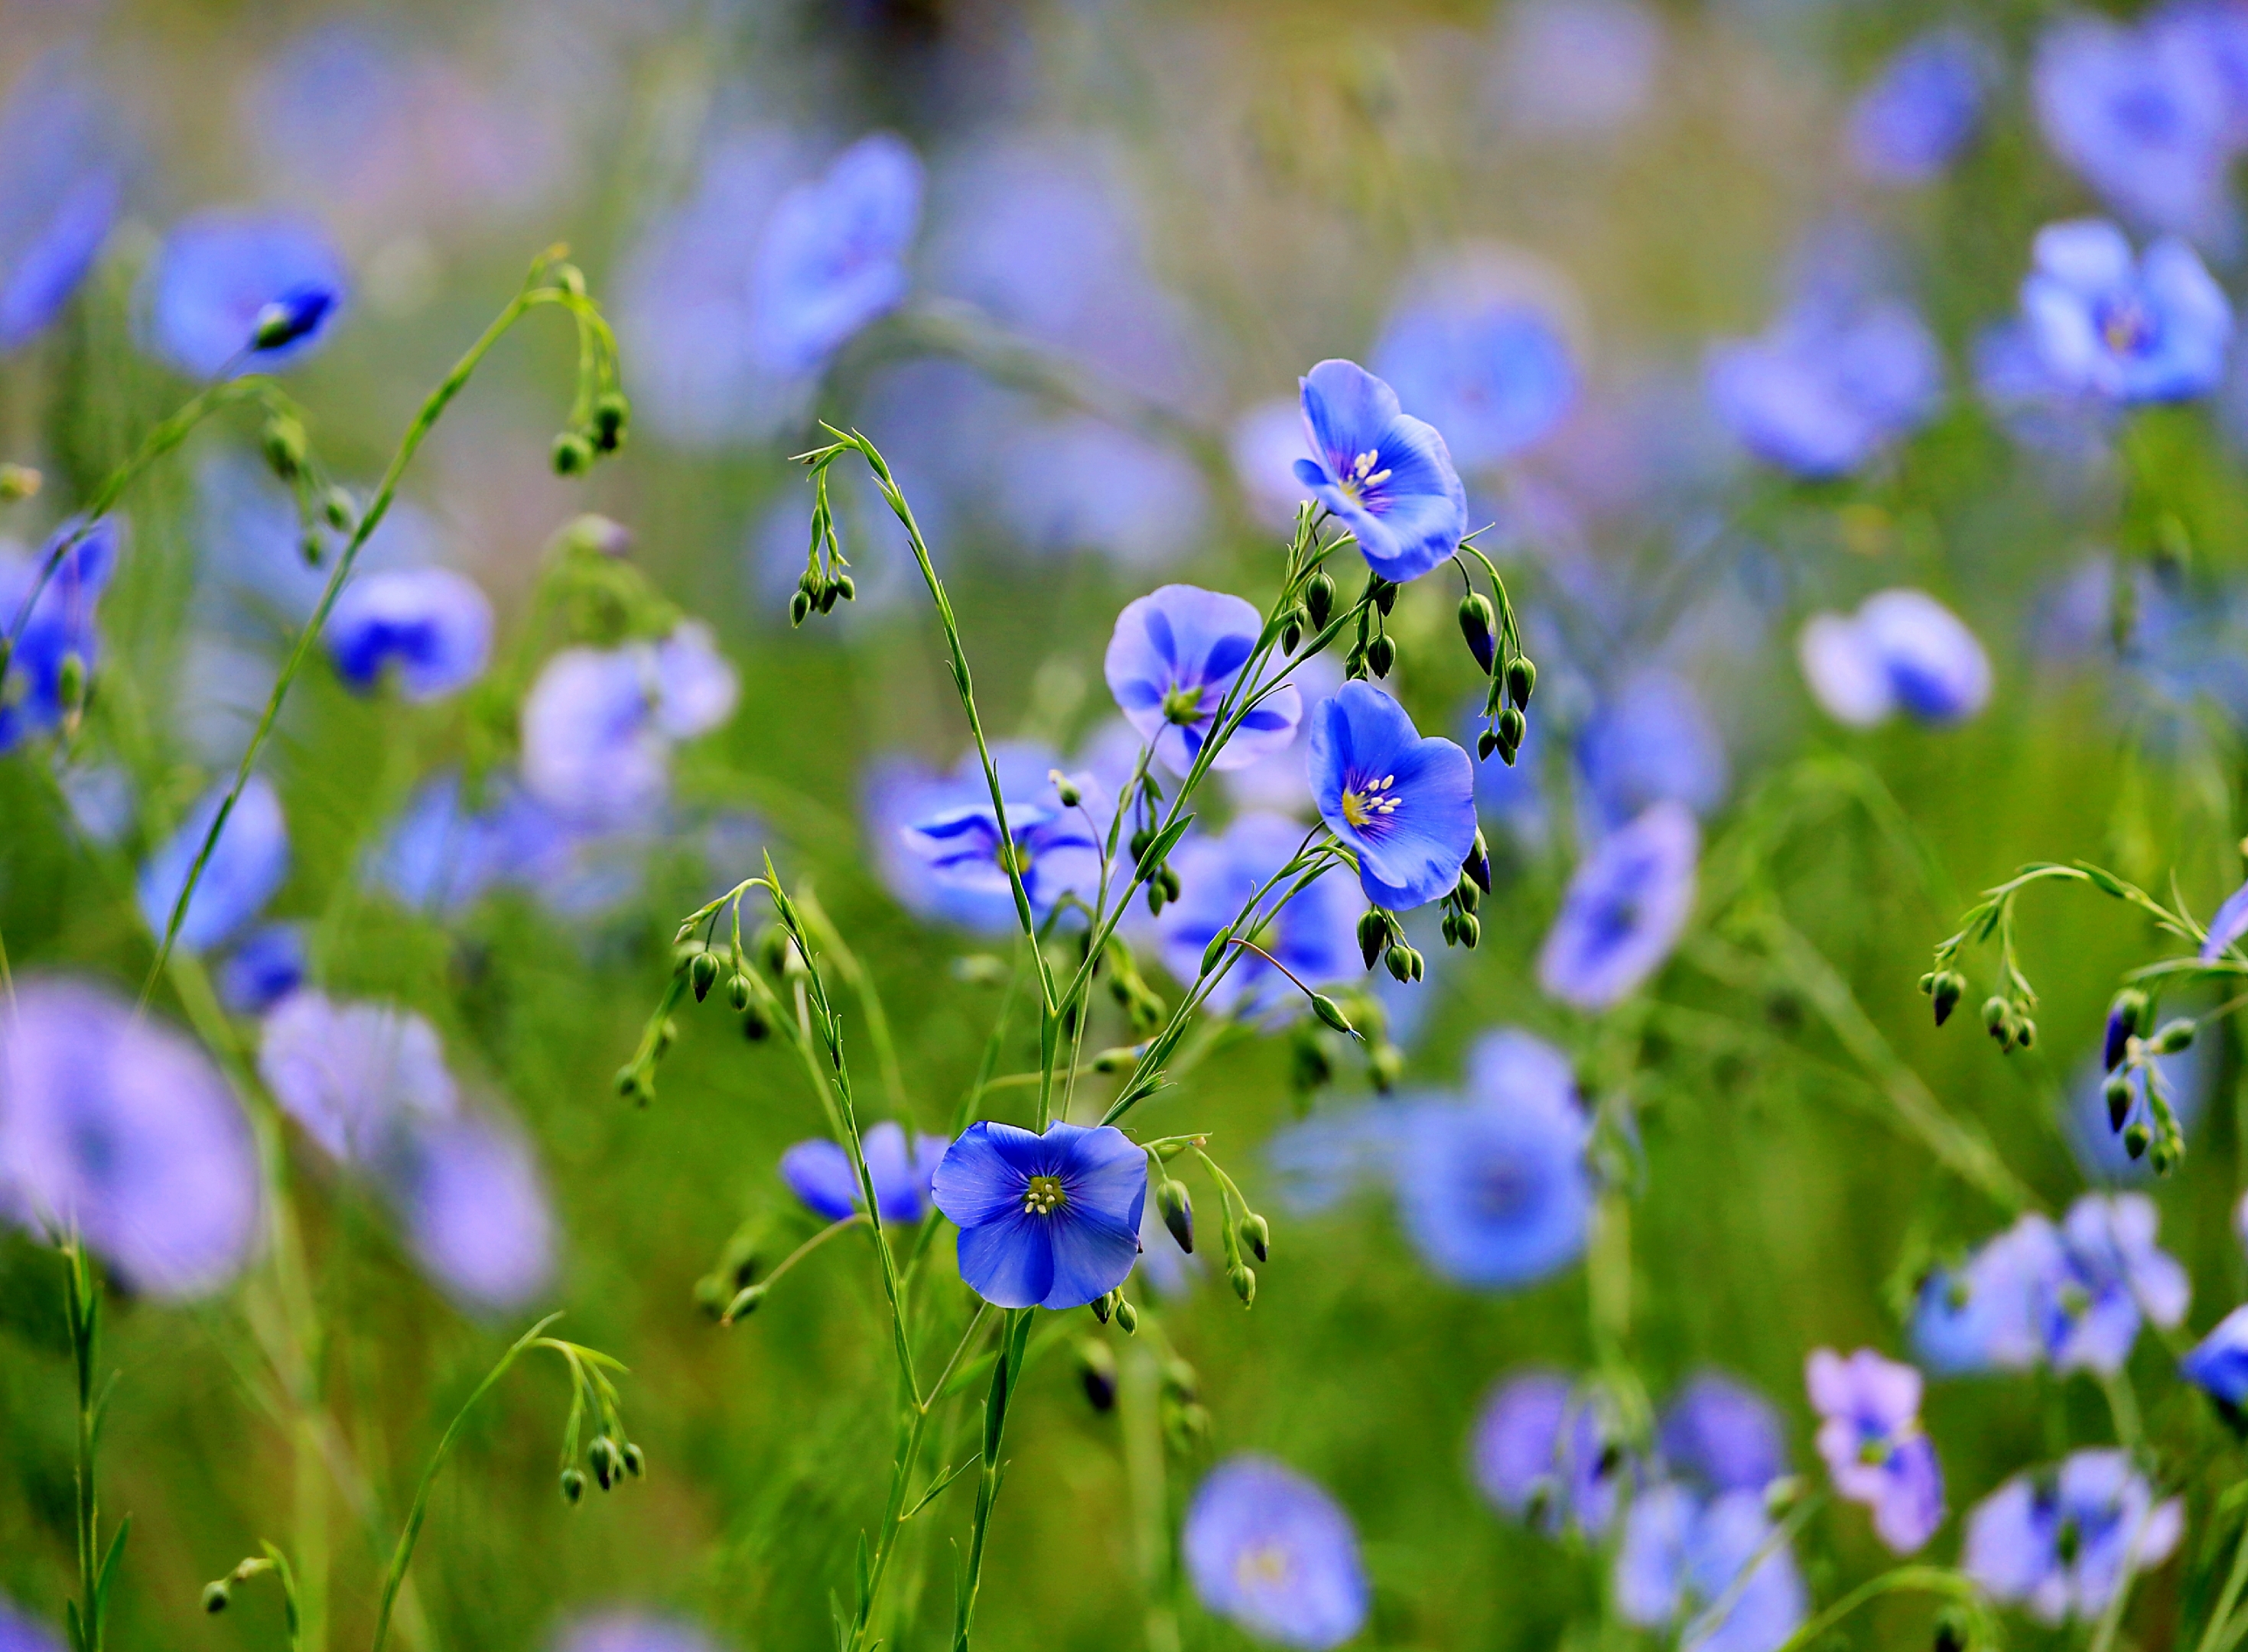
<point>353,1074</point>
<point>2058,1543</point>
<point>1876,1450</point>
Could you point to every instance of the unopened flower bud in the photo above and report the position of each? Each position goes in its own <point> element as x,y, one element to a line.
<point>611,414</point>
<point>1257,1234</point>
<point>1465,891</point>
<point>1176,1208</point>
<point>2127,1016</point>
<point>2117,1093</point>
<point>1471,930</point>
<point>1521,680</point>
<point>606,1465</point>
<point>216,1596</point>
<point>2025,1031</point>
<point>1418,964</point>
<point>1372,935</point>
<point>1096,1369</point>
<point>1381,654</point>
<point>574,1486</point>
<point>1104,1305</point>
<point>1291,635</point>
<point>1451,929</point>
<point>1384,593</point>
<point>573,455</point>
<point>1511,727</point>
<point>1128,1317</point>
<point>1319,600</point>
<point>1486,743</point>
<point>2135,1137</point>
<point>283,443</point>
<point>290,316</point>
<point>1066,789</point>
<point>1331,1012</point>
<point>738,991</point>
<point>1398,960</point>
<point>635,1460</point>
<point>2175,1036</point>
<point>1243,1278</point>
<point>847,588</point>
<point>1949,987</point>
<point>1995,1013</point>
<point>800,607</point>
<point>1478,865</point>
<point>336,507</point>
<point>702,974</point>
<point>1476,625</point>
<point>2162,1156</point>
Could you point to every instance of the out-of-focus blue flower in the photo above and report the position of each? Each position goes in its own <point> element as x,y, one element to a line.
<point>353,1075</point>
<point>1265,444</point>
<point>1682,1555</point>
<point>1496,1192</point>
<point>1722,1436</point>
<point>1902,651</point>
<point>1575,68</point>
<point>2139,114</point>
<point>2226,925</point>
<point>253,582</point>
<point>901,793</point>
<point>1877,1451</point>
<point>1314,935</point>
<point>599,724</point>
<point>100,799</point>
<point>441,855</point>
<point>468,1195</point>
<point>1051,1220</point>
<point>625,1630</point>
<point>1317,1162</point>
<point>1405,804</point>
<point>266,968</point>
<point>115,1123</point>
<point>2060,1544</point>
<point>2215,33</point>
<point>1174,656</point>
<point>1076,482</point>
<point>1923,109</point>
<point>832,256</point>
<point>434,625</point>
<point>20,1632</point>
<point>1386,476</point>
<point>210,288</point>
<point>2152,328</point>
<point>1480,359</point>
<point>1274,1552</point>
<point>2070,425</point>
<point>1648,742</point>
<point>1988,1314</point>
<point>1056,850</point>
<point>63,182</point>
<point>1280,782</point>
<point>1829,387</point>
<point>2218,1363</point>
<point>246,866</point>
<point>60,623</point>
<point>818,1172</point>
<point>1623,910</point>
<point>1541,1452</point>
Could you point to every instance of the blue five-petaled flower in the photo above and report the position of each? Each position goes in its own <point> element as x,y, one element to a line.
<point>1046,1221</point>
<point>233,287</point>
<point>2154,327</point>
<point>1405,805</point>
<point>434,625</point>
<point>818,1172</point>
<point>1386,476</point>
<point>1175,654</point>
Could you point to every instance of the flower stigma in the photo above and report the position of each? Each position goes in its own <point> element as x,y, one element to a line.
<point>1044,1195</point>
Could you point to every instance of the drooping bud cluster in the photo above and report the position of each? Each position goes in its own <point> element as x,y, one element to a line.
<point>2129,1051</point>
<point>600,416</point>
<point>1373,652</point>
<point>826,579</point>
<point>1946,988</point>
<point>1496,645</point>
<point>1462,926</point>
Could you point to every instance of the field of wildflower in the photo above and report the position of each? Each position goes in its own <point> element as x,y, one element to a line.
<point>1034,825</point>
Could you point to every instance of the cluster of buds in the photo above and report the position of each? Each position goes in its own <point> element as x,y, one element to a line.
<point>1462,927</point>
<point>602,433</point>
<point>1498,652</point>
<point>1117,1306</point>
<point>1186,1421</point>
<point>826,578</point>
<point>1381,935</point>
<point>1163,882</point>
<point>2132,1043</point>
<point>612,1463</point>
<point>1142,1006</point>
<point>2008,1023</point>
<point>1945,988</point>
<point>1373,654</point>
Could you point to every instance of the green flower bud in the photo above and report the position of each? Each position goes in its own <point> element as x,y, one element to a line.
<point>336,506</point>
<point>573,455</point>
<point>1381,654</point>
<point>1399,961</point>
<point>737,992</point>
<point>1291,635</point>
<point>1257,1234</point>
<point>1372,935</point>
<point>1319,600</point>
<point>702,975</point>
<point>1995,1014</point>
<point>2117,1093</point>
<point>283,439</point>
<point>2135,1137</point>
<point>574,1487</point>
<point>1128,1317</point>
<point>847,588</point>
<point>1471,930</point>
<point>1521,680</point>
<point>1176,1208</point>
<point>1511,727</point>
<point>1451,931</point>
<point>1486,743</point>
<point>1476,621</point>
<point>1331,1012</point>
<point>2175,1036</point>
<point>1243,1278</point>
<point>1949,988</point>
<point>635,1460</point>
<point>217,1597</point>
<point>611,414</point>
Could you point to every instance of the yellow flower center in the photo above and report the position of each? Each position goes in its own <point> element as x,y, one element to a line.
<point>1044,1196</point>
<point>1360,806</point>
<point>1268,1565</point>
<point>1361,474</point>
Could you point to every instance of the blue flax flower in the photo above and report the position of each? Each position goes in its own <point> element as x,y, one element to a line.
<point>266,968</point>
<point>1057,850</point>
<point>624,1630</point>
<point>901,792</point>
<point>2226,925</point>
<point>1722,1436</point>
<point>1386,476</point>
<point>434,625</point>
<point>832,256</point>
<point>1274,1552</point>
<point>1488,366</point>
<point>2059,1542</point>
<point>599,724</point>
<point>20,1632</point>
<point>1049,1221</point>
<point>2098,1145</point>
<point>1404,804</point>
<point>1174,655</point>
<point>818,1172</point>
<point>1877,1453</point>
<point>1623,910</point>
<point>1923,109</point>
<point>1649,741</point>
<point>60,623</point>
<point>442,854</point>
<point>1314,935</point>
<point>353,1075</point>
<point>2139,114</point>
<point>115,1123</point>
<point>1542,1451</point>
<point>224,278</point>
<point>1830,386</point>
<point>2150,328</point>
<point>63,184</point>
<point>474,1211</point>
<point>1682,1555</point>
<point>1986,1314</point>
<point>246,866</point>
<point>1495,1192</point>
<point>2218,1364</point>
<point>1575,69</point>
<point>1902,651</point>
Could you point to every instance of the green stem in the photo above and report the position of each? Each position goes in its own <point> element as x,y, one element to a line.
<point>1005,1370</point>
<point>531,296</point>
<point>82,1304</point>
<point>2218,1635</point>
<point>1925,1579</point>
<point>403,1555</point>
